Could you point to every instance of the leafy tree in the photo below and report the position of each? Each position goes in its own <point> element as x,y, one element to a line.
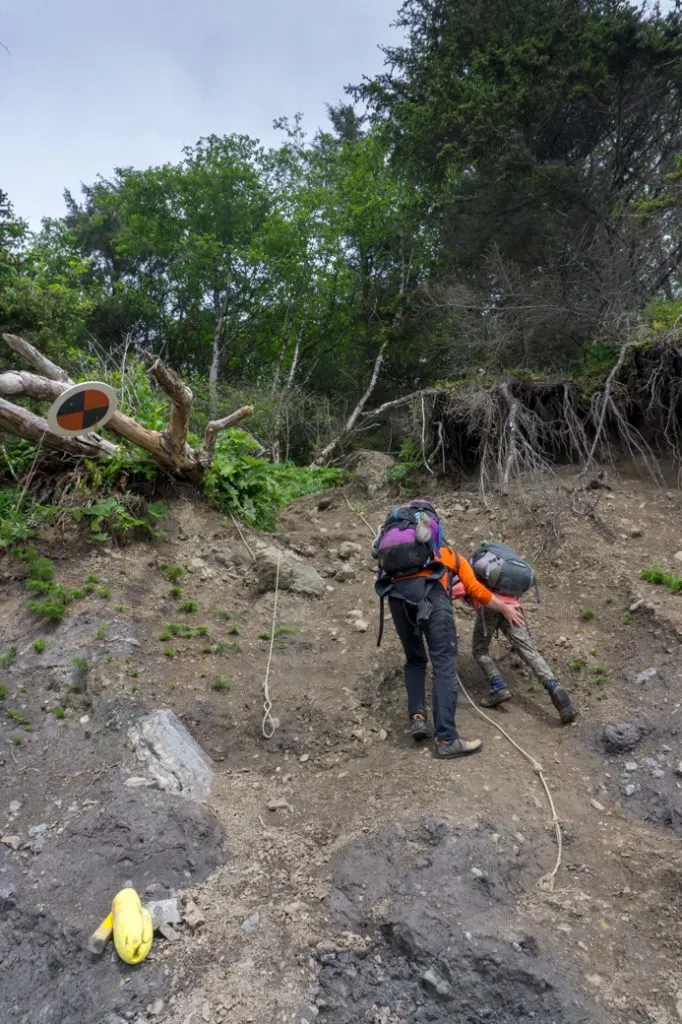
<point>534,130</point>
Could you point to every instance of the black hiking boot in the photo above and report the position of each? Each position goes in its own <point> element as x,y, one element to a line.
<point>562,702</point>
<point>457,748</point>
<point>494,698</point>
<point>419,727</point>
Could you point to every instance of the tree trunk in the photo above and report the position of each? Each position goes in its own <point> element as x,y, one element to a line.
<point>218,337</point>
<point>330,450</point>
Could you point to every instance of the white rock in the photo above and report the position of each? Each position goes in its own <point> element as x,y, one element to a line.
<point>597,806</point>
<point>14,806</point>
<point>172,757</point>
<point>303,758</point>
<point>629,789</point>
<point>631,766</point>
<point>678,556</point>
<point>360,626</point>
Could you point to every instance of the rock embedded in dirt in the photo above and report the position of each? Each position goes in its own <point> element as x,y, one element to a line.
<point>649,675</point>
<point>370,471</point>
<point>165,912</point>
<point>173,758</point>
<point>294,573</point>
<point>14,806</point>
<point>427,967</point>
<point>251,923</point>
<point>346,574</point>
<point>349,549</point>
<point>360,626</point>
<point>621,737</point>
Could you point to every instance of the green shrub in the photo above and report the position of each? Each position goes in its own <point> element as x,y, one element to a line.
<point>188,606</point>
<point>39,645</point>
<point>253,488</point>
<point>586,614</point>
<point>221,684</point>
<point>660,577</point>
<point>8,658</point>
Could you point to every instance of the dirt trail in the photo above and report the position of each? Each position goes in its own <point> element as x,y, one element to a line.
<point>386,887</point>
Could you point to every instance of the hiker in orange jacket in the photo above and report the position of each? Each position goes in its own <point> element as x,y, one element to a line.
<point>421,609</point>
<point>488,622</point>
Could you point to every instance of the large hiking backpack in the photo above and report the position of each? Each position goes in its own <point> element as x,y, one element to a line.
<point>409,540</point>
<point>499,568</point>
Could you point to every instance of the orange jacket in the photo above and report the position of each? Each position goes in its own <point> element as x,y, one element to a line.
<point>463,570</point>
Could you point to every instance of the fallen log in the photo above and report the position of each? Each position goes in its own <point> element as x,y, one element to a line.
<point>168,447</point>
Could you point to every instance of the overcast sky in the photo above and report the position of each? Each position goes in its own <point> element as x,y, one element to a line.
<point>90,85</point>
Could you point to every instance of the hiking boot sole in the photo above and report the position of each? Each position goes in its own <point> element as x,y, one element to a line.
<point>460,748</point>
<point>495,698</point>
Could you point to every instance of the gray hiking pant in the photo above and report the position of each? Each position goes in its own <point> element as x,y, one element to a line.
<point>521,641</point>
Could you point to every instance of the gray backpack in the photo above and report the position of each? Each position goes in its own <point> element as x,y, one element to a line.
<point>499,568</point>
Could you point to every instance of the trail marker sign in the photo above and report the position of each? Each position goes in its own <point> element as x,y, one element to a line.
<point>82,409</point>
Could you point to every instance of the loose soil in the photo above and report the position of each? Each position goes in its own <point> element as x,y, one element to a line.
<point>387,887</point>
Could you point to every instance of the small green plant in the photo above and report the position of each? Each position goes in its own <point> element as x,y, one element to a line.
<point>221,647</point>
<point>169,652</point>
<point>121,609</point>
<point>609,600</point>
<point>234,631</point>
<point>17,740</point>
<point>600,676</point>
<point>40,568</point>
<point>223,615</point>
<point>78,595</point>
<point>280,631</point>
<point>111,517</point>
<point>202,631</point>
<point>221,683</point>
<point>102,631</point>
<point>627,618</point>
<point>53,606</point>
<point>188,607</point>
<point>104,592</point>
<point>92,579</point>
<point>8,658</point>
<point>173,573</point>
<point>16,716</point>
<point>576,665</point>
<point>586,614</point>
<point>58,712</point>
<point>89,588</point>
<point>661,578</point>
<point>593,652</point>
<point>3,691</point>
<point>176,592</point>
<point>179,629</point>
<point>80,663</point>
<point>135,674</point>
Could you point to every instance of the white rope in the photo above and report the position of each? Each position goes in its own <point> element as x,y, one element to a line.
<point>547,881</point>
<point>269,724</point>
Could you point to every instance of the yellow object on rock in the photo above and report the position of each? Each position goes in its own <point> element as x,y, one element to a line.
<point>133,929</point>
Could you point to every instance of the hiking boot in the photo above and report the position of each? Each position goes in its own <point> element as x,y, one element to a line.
<point>562,702</point>
<point>457,748</point>
<point>419,728</point>
<point>496,697</point>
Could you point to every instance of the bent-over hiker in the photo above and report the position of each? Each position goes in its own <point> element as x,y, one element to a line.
<point>509,576</point>
<point>415,573</point>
